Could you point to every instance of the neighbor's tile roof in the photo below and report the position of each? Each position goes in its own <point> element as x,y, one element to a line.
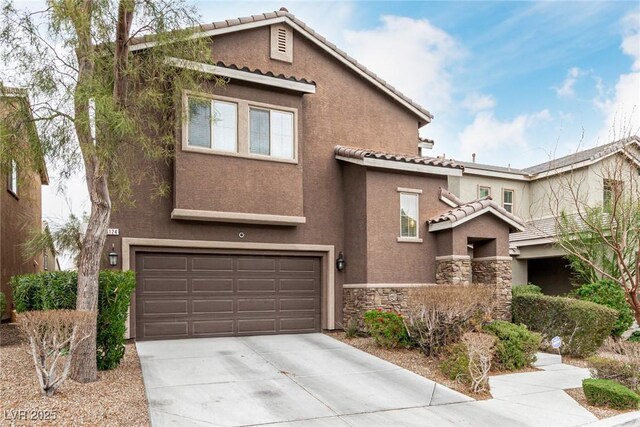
<point>464,210</point>
<point>444,193</point>
<point>283,12</point>
<point>493,168</point>
<point>362,153</point>
<point>581,156</point>
<point>536,229</point>
<point>264,73</point>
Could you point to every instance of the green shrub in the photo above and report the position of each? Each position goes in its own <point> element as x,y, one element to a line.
<point>526,289</point>
<point>455,365</point>
<point>57,290</point>
<point>612,295</point>
<point>635,337</point>
<point>609,393</point>
<point>626,373</point>
<point>516,347</point>
<point>3,304</point>
<point>583,325</point>
<point>386,327</point>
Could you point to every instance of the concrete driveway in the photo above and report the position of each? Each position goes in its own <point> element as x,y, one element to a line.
<point>315,380</point>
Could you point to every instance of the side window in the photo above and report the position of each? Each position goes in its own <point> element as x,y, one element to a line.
<point>271,133</point>
<point>12,178</point>
<point>409,215</point>
<point>484,192</point>
<point>611,190</point>
<point>213,124</point>
<point>507,200</point>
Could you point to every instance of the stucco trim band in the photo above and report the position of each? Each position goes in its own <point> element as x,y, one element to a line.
<point>492,258</point>
<point>453,258</point>
<point>328,285</point>
<point>387,285</point>
<point>241,75</point>
<point>445,225</point>
<point>402,166</point>
<point>236,217</point>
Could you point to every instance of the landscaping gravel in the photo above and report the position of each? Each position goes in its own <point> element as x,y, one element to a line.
<point>116,399</point>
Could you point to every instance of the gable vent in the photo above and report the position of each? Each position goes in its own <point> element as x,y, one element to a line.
<point>281,43</point>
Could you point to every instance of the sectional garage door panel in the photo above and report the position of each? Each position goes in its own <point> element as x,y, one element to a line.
<point>206,295</point>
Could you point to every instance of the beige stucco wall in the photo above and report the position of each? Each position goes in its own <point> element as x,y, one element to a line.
<point>466,187</point>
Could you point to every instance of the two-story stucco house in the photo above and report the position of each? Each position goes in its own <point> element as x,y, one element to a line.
<point>20,198</point>
<point>298,196</point>
<point>531,194</point>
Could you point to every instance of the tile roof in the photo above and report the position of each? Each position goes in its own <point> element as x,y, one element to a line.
<point>362,153</point>
<point>581,156</point>
<point>544,228</point>
<point>264,73</point>
<point>446,194</point>
<point>493,168</point>
<point>285,13</point>
<point>467,209</point>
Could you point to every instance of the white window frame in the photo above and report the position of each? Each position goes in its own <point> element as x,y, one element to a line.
<point>414,193</point>
<point>513,200</point>
<point>211,147</point>
<point>484,187</point>
<point>243,125</point>
<point>293,137</point>
<point>12,179</point>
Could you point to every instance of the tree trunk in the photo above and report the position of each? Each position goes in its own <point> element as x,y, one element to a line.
<point>84,365</point>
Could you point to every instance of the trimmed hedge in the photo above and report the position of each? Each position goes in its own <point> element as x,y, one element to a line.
<point>625,373</point>
<point>526,289</point>
<point>456,363</point>
<point>612,295</point>
<point>516,347</point>
<point>609,393</point>
<point>57,290</point>
<point>387,328</point>
<point>583,325</point>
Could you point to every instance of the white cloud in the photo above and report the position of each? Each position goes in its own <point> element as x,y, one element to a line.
<point>487,133</point>
<point>621,105</point>
<point>475,102</point>
<point>412,55</point>
<point>567,88</point>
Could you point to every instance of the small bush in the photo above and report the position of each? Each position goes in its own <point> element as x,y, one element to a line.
<point>351,328</point>
<point>456,363</point>
<point>624,372</point>
<point>583,325</point>
<point>516,347</point>
<point>386,327</point>
<point>57,290</point>
<point>440,315</point>
<point>526,289</point>
<point>609,393</point>
<point>53,338</point>
<point>3,304</point>
<point>613,296</point>
<point>469,361</point>
<point>635,337</point>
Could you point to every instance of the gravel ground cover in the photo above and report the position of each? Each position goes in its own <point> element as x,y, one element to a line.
<point>116,399</point>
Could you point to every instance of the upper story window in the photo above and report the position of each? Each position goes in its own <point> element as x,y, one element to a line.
<point>611,190</point>
<point>507,200</point>
<point>12,178</point>
<point>213,124</point>
<point>271,133</point>
<point>409,215</point>
<point>484,192</point>
<point>237,127</point>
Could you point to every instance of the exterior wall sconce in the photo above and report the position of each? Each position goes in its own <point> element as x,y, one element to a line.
<point>45,261</point>
<point>340,263</point>
<point>113,256</point>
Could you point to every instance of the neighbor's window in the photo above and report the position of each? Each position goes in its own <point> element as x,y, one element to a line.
<point>507,200</point>
<point>611,190</point>
<point>13,177</point>
<point>271,133</point>
<point>408,215</point>
<point>484,192</point>
<point>213,124</point>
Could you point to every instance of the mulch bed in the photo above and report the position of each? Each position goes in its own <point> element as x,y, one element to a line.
<point>599,411</point>
<point>116,399</point>
<point>412,359</point>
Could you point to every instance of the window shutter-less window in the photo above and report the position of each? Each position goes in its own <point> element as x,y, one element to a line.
<point>259,132</point>
<point>282,134</point>
<point>225,133</point>
<point>199,123</point>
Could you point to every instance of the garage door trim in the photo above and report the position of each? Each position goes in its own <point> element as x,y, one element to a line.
<point>326,252</point>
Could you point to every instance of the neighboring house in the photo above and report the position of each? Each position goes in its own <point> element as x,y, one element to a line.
<point>529,194</point>
<point>291,210</point>
<point>20,199</point>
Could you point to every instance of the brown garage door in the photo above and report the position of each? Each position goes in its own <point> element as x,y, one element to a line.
<point>205,295</point>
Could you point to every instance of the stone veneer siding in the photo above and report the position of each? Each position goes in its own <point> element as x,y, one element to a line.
<point>453,271</point>
<point>359,300</point>
<point>495,272</point>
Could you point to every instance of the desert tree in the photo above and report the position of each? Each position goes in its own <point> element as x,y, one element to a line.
<point>597,217</point>
<point>100,105</point>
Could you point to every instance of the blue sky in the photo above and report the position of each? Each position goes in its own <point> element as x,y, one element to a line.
<point>516,82</point>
